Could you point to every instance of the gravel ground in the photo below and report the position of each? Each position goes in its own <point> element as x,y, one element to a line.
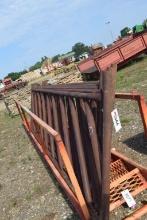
<point>131,142</point>
<point>130,139</point>
<point>27,190</point>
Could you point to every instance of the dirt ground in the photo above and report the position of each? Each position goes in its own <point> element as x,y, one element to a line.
<point>28,191</point>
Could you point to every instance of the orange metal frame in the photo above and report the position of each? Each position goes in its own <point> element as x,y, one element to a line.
<point>141,103</point>
<point>76,197</point>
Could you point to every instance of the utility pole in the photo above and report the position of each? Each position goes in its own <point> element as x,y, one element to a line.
<point>109,28</point>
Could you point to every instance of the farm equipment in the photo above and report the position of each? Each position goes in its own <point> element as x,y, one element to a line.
<point>125,32</point>
<point>9,85</point>
<point>70,124</point>
<point>138,29</point>
<point>119,53</point>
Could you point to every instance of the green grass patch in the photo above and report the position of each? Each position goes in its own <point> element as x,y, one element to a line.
<point>132,76</point>
<point>125,120</point>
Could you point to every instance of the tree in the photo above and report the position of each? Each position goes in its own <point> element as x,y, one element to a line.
<point>43,59</point>
<point>55,58</point>
<point>16,75</point>
<point>145,23</point>
<point>35,66</point>
<point>80,48</point>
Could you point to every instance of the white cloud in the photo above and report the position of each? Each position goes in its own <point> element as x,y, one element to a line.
<point>35,28</point>
<point>18,17</point>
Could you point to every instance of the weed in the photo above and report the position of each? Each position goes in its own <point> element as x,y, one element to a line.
<point>125,120</point>
<point>28,196</point>
<point>14,202</point>
<point>37,189</point>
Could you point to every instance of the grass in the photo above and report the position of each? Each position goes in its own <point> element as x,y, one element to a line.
<point>126,120</point>
<point>14,202</point>
<point>36,191</point>
<point>133,77</point>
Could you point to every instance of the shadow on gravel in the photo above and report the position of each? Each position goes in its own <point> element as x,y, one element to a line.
<point>137,143</point>
<point>72,217</point>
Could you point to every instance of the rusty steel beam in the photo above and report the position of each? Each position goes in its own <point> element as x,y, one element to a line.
<point>65,127</point>
<point>72,94</point>
<point>56,127</point>
<point>108,85</point>
<point>50,123</point>
<point>80,150</point>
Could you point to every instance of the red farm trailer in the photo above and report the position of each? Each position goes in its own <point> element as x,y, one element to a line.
<point>120,53</point>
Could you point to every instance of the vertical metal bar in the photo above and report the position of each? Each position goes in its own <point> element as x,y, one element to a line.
<point>143,112</point>
<point>36,111</point>
<point>94,139</point>
<point>56,125</point>
<point>75,158</point>
<point>36,108</point>
<point>40,113</point>
<point>65,127</point>
<point>50,122</point>
<point>91,150</point>
<point>80,151</point>
<point>44,118</point>
<point>108,99</point>
<point>89,157</point>
<point>33,110</point>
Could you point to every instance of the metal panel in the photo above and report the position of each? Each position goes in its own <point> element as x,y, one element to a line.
<point>113,57</point>
<point>132,48</point>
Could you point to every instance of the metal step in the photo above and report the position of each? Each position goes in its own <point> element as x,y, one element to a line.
<point>122,179</point>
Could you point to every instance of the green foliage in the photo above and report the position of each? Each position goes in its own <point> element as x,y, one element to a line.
<point>145,23</point>
<point>132,76</point>
<point>80,48</point>
<point>35,66</point>
<point>125,31</point>
<point>16,75</point>
<point>55,58</point>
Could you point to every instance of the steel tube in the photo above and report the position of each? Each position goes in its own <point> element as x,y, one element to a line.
<point>108,91</point>
<point>65,127</point>
<point>56,127</point>
<point>80,151</point>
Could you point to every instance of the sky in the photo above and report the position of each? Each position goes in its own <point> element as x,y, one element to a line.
<point>31,29</point>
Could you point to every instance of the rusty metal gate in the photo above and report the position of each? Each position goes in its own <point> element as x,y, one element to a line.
<point>81,114</point>
<point>71,126</point>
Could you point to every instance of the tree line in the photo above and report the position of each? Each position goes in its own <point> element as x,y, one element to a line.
<point>78,48</point>
<point>17,75</point>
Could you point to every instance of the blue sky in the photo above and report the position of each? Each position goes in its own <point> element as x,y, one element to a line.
<point>30,29</point>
